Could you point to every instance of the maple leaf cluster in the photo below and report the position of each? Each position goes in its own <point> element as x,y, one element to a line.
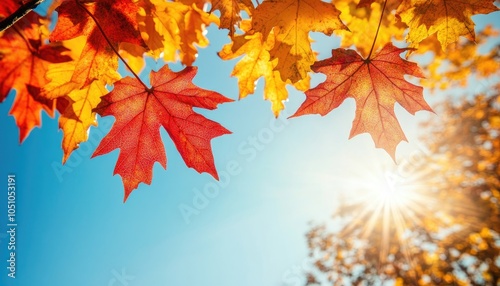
<point>71,68</point>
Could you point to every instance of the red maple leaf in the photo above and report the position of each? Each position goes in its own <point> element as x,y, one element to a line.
<point>140,111</point>
<point>24,59</point>
<point>376,84</point>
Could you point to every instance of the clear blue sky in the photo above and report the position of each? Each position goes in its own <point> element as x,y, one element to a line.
<point>74,229</point>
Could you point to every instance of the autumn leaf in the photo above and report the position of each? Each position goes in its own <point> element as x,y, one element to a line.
<point>96,62</point>
<point>96,29</point>
<point>24,59</point>
<point>111,20</point>
<point>449,19</point>
<point>59,75</point>
<point>257,63</point>
<point>139,113</point>
<point>376,84</point>
<point>230,11</point>
<point>77,114</point>
<point>159,36</point>
<point>292,21</point>
<point>77,118</point>
<point>169,28</point>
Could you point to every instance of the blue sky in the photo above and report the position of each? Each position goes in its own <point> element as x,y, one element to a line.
<point>74,229</point>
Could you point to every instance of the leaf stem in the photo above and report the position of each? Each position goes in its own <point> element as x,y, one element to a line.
<point>19,14</point>
<point>111,44</point>
<point>378,28</point>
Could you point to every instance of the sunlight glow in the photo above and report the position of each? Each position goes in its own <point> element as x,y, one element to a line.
<point>385,192</point>
<point>389,204</point>
<point>392,207</point>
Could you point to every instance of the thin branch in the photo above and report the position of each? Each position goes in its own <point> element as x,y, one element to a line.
<point>20,13</point>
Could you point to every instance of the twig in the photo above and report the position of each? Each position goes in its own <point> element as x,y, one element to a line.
<point>20,13</point>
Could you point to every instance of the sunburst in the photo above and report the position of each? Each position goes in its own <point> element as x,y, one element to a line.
<point>389,204</point>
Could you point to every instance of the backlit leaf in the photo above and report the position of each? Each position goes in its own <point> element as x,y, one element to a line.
<point>24,59</point>
<point>139,113</point>
<point>376,84</point>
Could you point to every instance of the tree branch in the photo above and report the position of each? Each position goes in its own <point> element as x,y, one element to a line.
<point>20,13</point>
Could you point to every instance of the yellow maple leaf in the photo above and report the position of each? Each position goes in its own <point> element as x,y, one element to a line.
<point>275,91</point>
<point>257,63</point>
<point>254,64</point>
<point>76,99</point>
<point>78,116</point>
<point>159,36</point>
<point>60,84</point>
<point>173,30</point>
<point>293,20</point>
<point>68,76</point>
<point>449,19</point>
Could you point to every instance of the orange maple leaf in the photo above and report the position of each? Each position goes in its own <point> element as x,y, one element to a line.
<point>24,59</point>
<point>139,113</point>
<point>376,84</point>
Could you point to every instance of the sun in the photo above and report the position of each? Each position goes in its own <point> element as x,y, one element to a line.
<point>387,204</point>
<point>385,192</point>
